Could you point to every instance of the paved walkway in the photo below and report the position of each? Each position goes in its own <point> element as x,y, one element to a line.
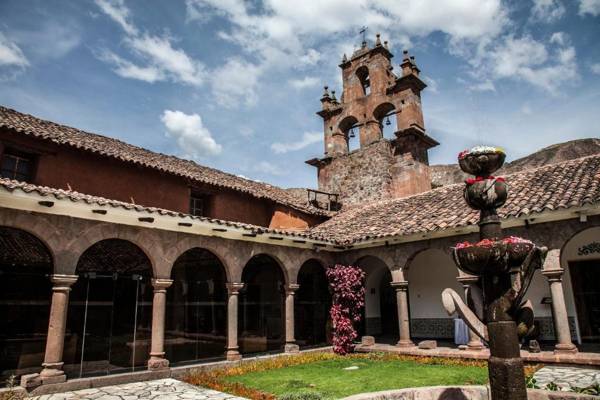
<point>162,389</point>
<point>567,376</point>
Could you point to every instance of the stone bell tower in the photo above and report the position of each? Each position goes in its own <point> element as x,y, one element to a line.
<point>372,95</point>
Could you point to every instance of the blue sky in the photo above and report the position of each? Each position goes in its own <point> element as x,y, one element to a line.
<point>235,85</point>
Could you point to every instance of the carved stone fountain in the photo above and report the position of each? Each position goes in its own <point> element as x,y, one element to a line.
<point>505,267</point>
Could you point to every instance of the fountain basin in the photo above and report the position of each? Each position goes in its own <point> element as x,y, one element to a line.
<point>481,160</point>
<point>492,257</point>
<point>486,193</point>
<point>461,393</point>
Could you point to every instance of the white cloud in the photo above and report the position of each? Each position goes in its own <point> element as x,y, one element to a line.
<point>591,7</point>
<point>119,13</point>
<point>11,54</point>
<point>269,168</point>
<point>306,82</point>
<point>192,137</point>
<point>526,109</point>
<point>432,85</point>
<point>485,86</point>
<point>547,10</point>
<point>127,69</point>
<point>246,131</point>
<point>307,139</point>
<point>235,83</point>
<point>547,66</point>
<point>175,63</point>
<point>595,68</point>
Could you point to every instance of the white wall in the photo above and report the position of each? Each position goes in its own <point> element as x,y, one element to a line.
<point>430,273</point>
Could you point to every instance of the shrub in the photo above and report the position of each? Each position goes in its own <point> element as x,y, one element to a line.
<point>301,396</point>
<point>347,286</point>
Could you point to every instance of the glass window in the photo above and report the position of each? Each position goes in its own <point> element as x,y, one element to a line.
<point>197,205</point>
<point>17,165</point>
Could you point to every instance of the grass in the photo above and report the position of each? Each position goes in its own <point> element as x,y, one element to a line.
<point>324,374</point>
<point>333,382</point>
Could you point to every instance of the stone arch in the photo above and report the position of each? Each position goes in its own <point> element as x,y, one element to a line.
<point>381,312</point>
<point>362,73</point>
<point>196,307</point>
<point>279,259</point>
<point>312,303</point>
<point>580,258</point>
<point>145,240</point>
<point>44,230</point>
<point>262,315</point>
<point>25,266</point>
<point>386,117</point>
<point>110,309</point>
<point>189,243</point>
<point>347,127</point>
<point>429,272</point>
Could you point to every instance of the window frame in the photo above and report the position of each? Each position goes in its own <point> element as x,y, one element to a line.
<point>13,152</point>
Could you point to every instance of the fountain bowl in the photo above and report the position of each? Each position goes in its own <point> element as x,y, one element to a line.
<point>481,161</point>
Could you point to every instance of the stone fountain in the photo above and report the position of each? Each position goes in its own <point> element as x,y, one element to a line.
<point>505,267</point>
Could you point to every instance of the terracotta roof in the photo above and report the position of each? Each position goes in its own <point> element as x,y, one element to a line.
<point>61,194</point>
<point>573,183</point>
<point>105,146</point>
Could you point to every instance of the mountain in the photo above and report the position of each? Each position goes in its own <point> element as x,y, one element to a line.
<point>450,173</point>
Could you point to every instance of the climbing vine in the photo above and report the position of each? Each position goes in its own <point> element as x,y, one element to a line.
<point>348,298</point>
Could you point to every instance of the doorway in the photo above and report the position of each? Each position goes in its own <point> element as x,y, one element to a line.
<point>585,276</point>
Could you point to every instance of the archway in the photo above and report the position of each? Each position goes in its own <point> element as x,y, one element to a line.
<point>25,267</point>
<point>385,114</point>
<point>365,81</point>
<point>350,128</point>
<point>429,273</point>
<point>196,315</point>
<point>261,317</point>
<point>110,311</point>
<point>312,304</point>
<point>381,310</point>
<point>580,257</point>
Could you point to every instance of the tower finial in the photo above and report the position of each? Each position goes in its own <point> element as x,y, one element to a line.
<point>378,40</point>
<point>325,91</point>
<point>344,59</point>
<point>385,44</point>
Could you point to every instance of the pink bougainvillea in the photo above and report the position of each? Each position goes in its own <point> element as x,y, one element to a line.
<point>347,286</point>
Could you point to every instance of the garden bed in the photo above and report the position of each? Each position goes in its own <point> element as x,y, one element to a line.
<point>329,376</point>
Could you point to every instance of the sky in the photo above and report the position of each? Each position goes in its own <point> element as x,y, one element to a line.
<point>235,85</point>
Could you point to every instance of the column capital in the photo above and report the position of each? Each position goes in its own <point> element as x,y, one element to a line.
<point>233,288</point>
<point>554,274</point>
<point>63,282</point>
<point>467,279</point>
<point>291,288</point>
<point>400,285</point>
<point>161,284</point>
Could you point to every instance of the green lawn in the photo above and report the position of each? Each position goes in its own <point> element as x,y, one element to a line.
<point>333,382</point>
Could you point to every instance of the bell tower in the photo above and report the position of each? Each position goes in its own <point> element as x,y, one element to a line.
<point>372,94</point>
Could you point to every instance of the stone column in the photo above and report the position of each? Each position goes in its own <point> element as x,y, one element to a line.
<point>55,342</point>
<point>233,353</point>
<point>403,317</point>
<point>157,359</point>
<point>475,342</point>
<point>559,311</point>
<point>290,341</point>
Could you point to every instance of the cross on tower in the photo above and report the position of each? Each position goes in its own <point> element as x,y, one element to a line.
<point>363,32</point>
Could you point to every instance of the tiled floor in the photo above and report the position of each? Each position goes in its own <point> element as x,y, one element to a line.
<point>567,376</point>
<point>162,389</point>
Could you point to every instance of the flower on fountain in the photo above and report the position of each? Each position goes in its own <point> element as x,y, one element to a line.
<point>477,150</point>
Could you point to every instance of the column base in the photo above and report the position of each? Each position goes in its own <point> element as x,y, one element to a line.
<point>405,343</point>
<point>157,362</point>
<point>46,377</point>
<point>568,348</point>
<point>291,348</point>
<point>233,355</point>
<point>475,346</point>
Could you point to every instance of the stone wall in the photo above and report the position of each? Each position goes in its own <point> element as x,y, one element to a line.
<point>374,173</point>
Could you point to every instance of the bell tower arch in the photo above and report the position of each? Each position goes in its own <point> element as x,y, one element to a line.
<point>372,94</point>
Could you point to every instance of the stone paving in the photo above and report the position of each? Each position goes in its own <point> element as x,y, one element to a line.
<point>162,389</point>
<point>566,377</point>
